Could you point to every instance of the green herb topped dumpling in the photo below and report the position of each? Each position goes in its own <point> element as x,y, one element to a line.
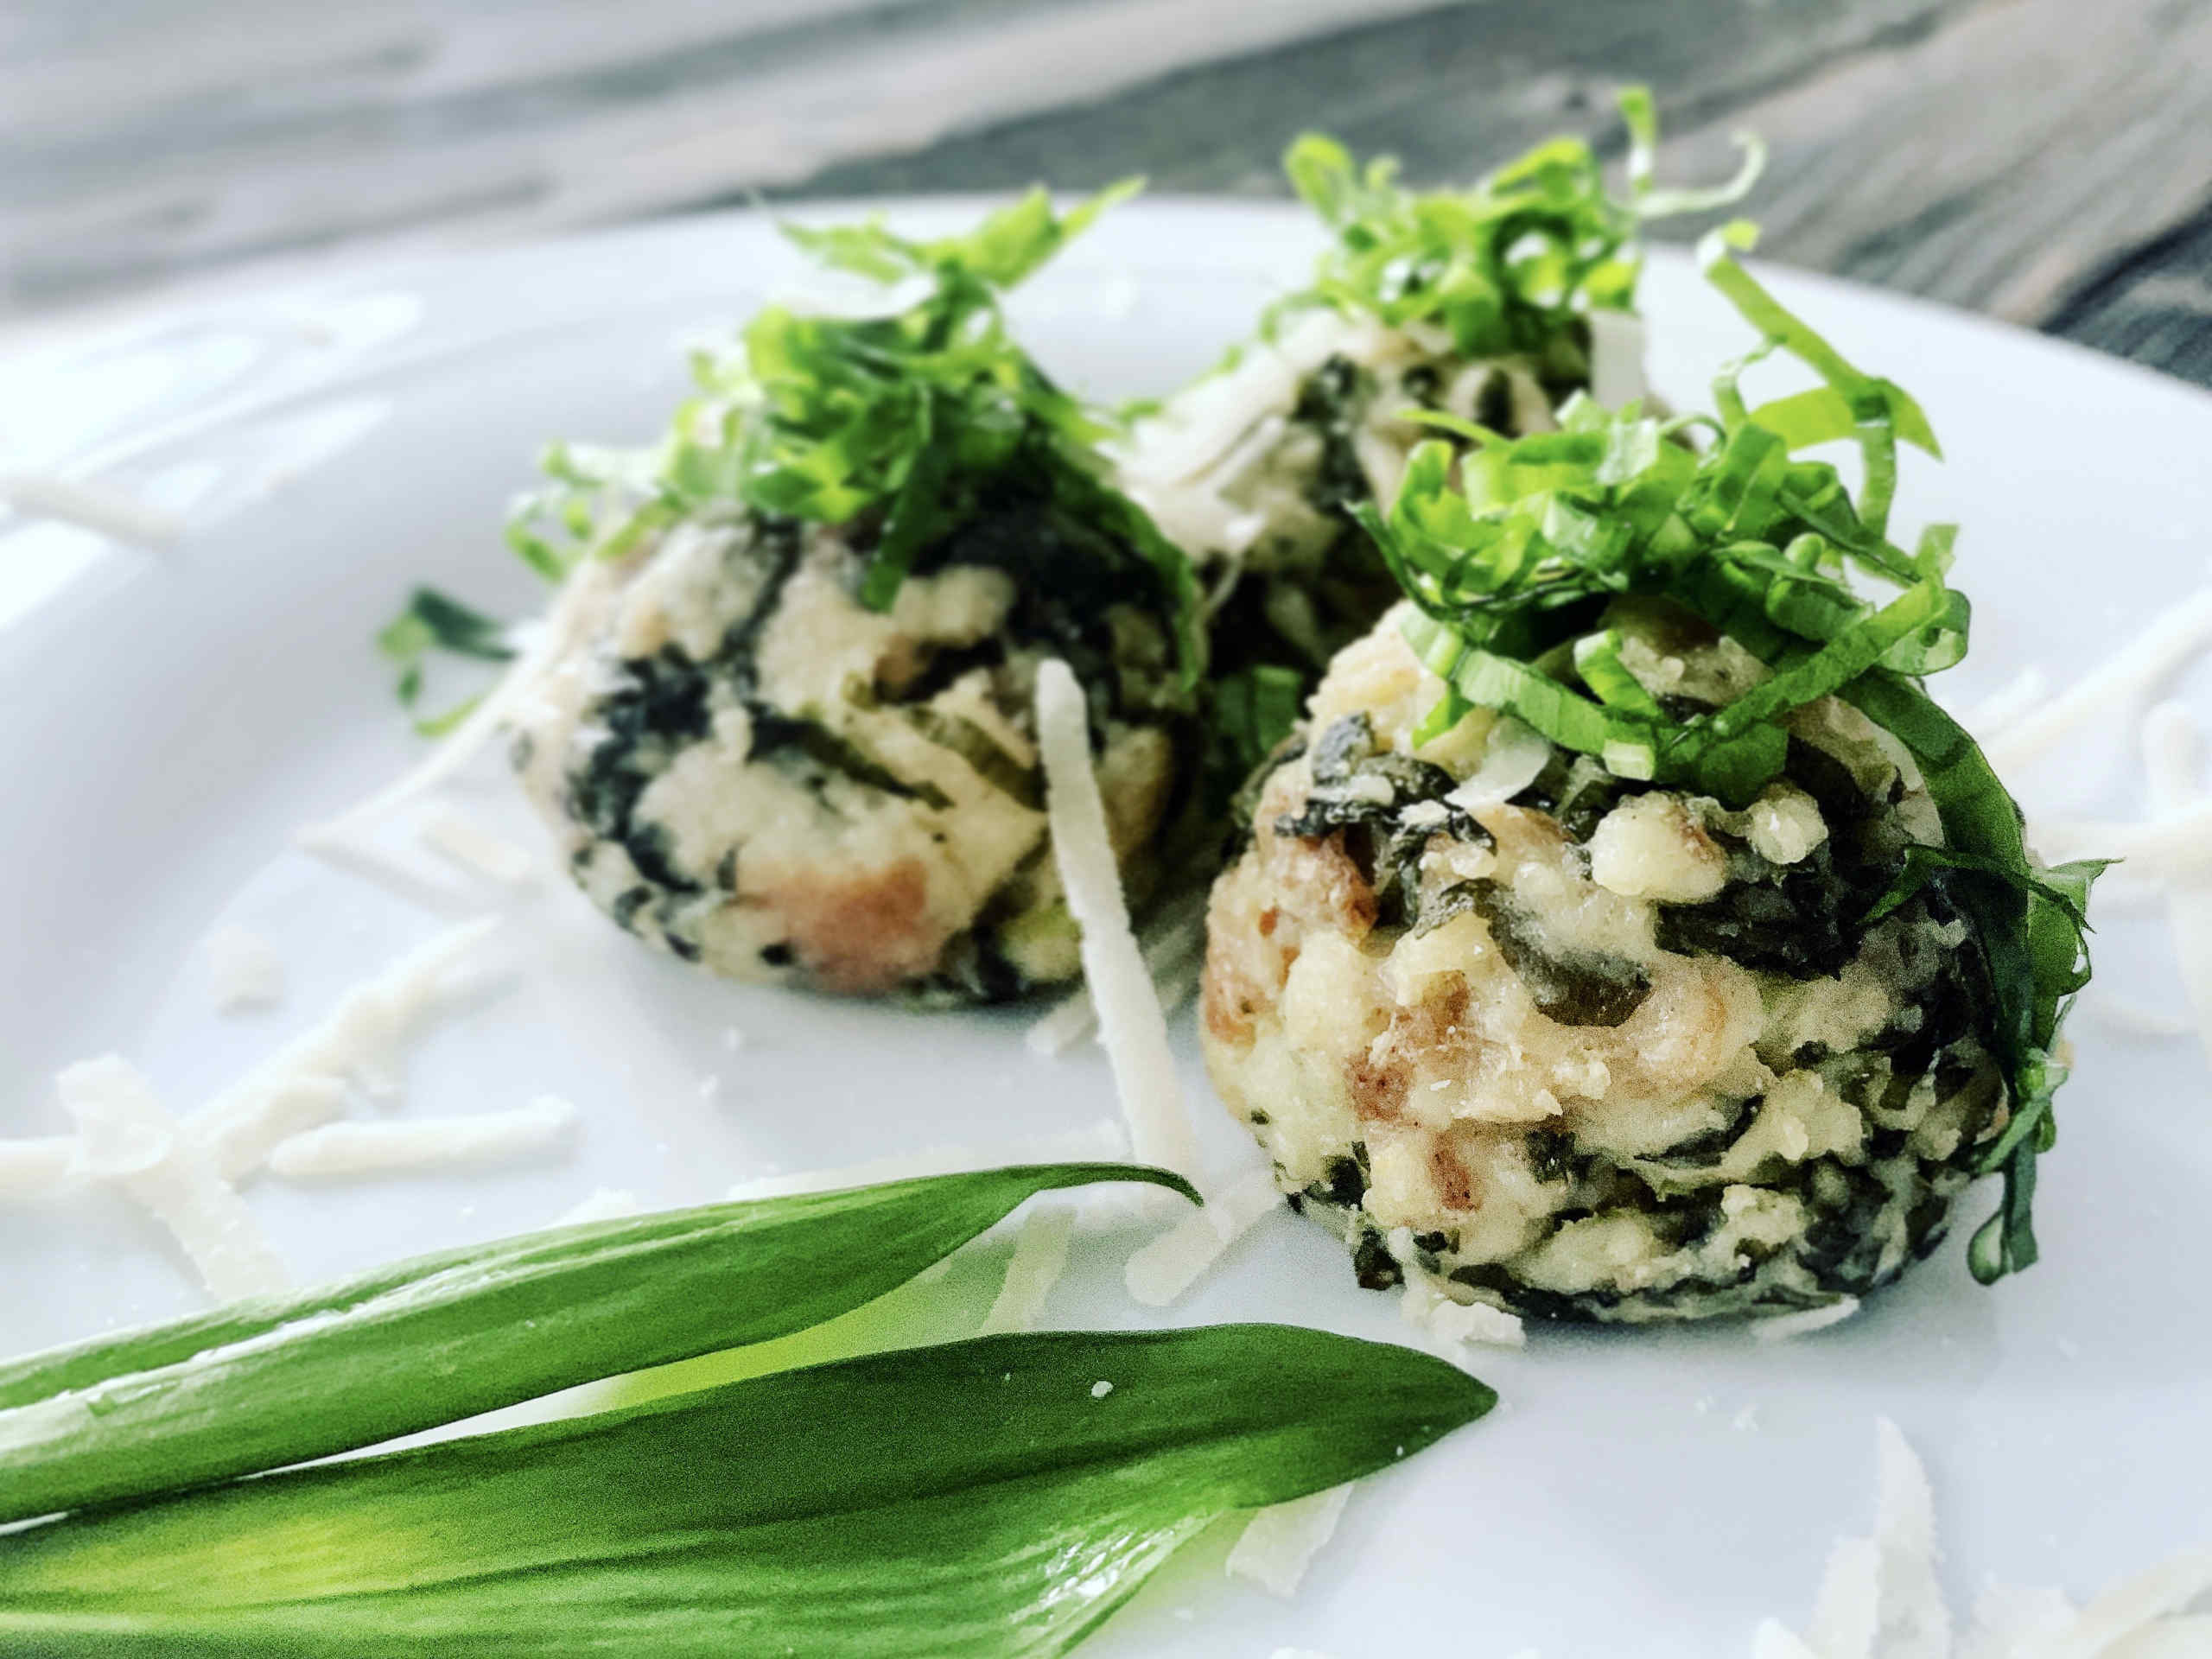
<point>790,738</point>
<point>1625,935</point>
<point>1492,305</point>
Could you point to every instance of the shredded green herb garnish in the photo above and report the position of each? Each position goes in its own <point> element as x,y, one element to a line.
<point>433,622</point>
<point>1512,554</point>
<point>1506,263</point>
<point>903,426</point>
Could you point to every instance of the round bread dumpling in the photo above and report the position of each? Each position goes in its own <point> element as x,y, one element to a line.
<point>1252,470</point>
<point>1586,1048</point>
<point>751,770</point>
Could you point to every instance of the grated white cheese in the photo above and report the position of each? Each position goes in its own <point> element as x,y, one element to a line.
<point>2129,675</point>
<point>2009,1619</point>
<point>1847,1613</point>
<point>302,1085</point>
<point>37,1169</point>
<point>124,1134</point>
<point>1163,1269</point>
<point>2173,759</point>
<point>102,511</point>
<point>1040,1256</point>
<point>1101,1388</point>
<point>2006,705</point>
<point>1280,1542</point>
<point>350,851</point>
<point>604,1204</point>
<point>1512,756</point>
<point>1174,952</point>
<point>1452,1325</point>
<point>460,838</point>
<point>1915,1621</point>
<point>1783,1326</point>
<point>413,1145</point>
<point>243,970</point>
<point>1102,1142</point>
<point>1129,1019</point>
<point>2130,1609</point>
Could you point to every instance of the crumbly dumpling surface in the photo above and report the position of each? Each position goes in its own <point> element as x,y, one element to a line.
<point>751,770</point>
<point>1586,1048</point>
<point>1249,470</point>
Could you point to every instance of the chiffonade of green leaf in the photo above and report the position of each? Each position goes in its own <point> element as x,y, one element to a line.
<point>259,1384</point>
<point>1505,264</point>
<point>982,1499</point>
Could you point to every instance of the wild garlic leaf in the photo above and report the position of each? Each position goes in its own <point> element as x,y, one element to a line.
<point>259,1384</point>
<point>980,1500</point>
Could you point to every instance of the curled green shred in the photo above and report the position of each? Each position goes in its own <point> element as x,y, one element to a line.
<point>1506,263</point>
<point>912,421</point>
<point>1512,552</point>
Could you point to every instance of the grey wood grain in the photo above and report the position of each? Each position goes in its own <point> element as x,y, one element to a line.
<point>2046,161</point>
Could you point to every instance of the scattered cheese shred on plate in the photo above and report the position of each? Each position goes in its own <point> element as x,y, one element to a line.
<point>302,1085</point>
<point>411,1145</point>
<point>458,837</point>
<point>38,1167</point>
<point>124,1134</point>
<point>243,970</point>
<point>1278,1543</point>
<point>99,509</point>
<point>1452,1324</point>
<point>2134,671</point>
<point>1040,1256</point>
<point>1783,1326</point>
<point>1163,1269</point>
<point>1129,1020</point>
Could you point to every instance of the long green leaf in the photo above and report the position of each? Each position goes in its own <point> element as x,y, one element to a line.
<point>983,1500</point>
<point>259,1384</point>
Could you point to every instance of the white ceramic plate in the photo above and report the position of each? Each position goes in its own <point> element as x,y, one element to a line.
<point>166,720</point>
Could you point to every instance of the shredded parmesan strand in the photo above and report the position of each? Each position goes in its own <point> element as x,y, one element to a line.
<point>2006,705</point>
<point>1173,1262</point>
<point>411,1146</point>
<point>1040,1256</point>
<point>1174,945</point>
<point>1280,1542</point>
<point>1130,1022</point>
<point>301,1085</point>
<point>1846,1614</point>
<point>2131,1608</point>
<point>104,512</point>
<point>244,968</point>
<point>2134,672</point>
<point>36,1168</point>
<point>124,1134</point>
<point>1103,1141</point>
<point>562,621</point>
<point>1452,1325</point>
<point>1783,1327</point>
<point>459,837</point>
<point>2173,759</point>
<point>343,848</point>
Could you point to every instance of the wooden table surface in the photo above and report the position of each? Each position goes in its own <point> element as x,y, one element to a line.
<point>2044,161</point>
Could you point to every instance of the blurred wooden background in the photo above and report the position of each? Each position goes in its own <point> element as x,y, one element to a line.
<point>2046,161</point>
